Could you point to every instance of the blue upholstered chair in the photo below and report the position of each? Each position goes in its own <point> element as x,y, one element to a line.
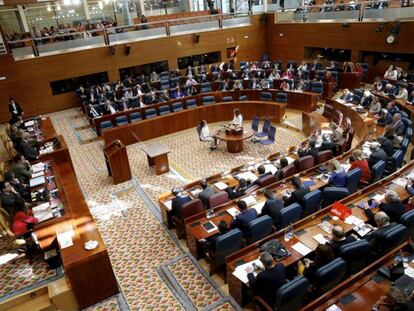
<point>317,87</point>
<point>165,85</point>
<point>329,275</point>
<point>258,229</point>
<point>121,120</point>
<point>311,202</point>
<point>265,129</point>
<point>208,100</point>
<point>356,255</point>
<point>255,124</point>
<point>205,87</point>
<point>352,180</point>
<point>164,109</point>
<point>191,103</point>
<point>243,98</point>
<point>105,125</point>
<point>266,96</point>
<point>333,194</point>
<point>407,219</point>
<point>270,137</point>
<point>393,237</point>
<point>377,171</point>
<point>281,97</point>
<point>289,214</point>
<point>135,117</point>
<point>150,113</point>
<point>177,106</point>
<point>227,99</point>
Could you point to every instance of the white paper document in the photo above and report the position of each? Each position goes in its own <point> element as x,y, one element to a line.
<point>37,174</point>
<point>65,238</point>
<point>290,160</point>
<point>248,176</point>
<point>168,204</point>
<point>400,182</point>
<point>37,181</point>
<point>233,212</point>
<point>301,249</point>
<point>38,167</point>
<point>241,273</point>
<point>352,220</point>
<point>220,185</point>
<point>362,229</point>
<point>250,200</point>
<point>195,192</point>
<point>42,212</point>
<point>259,206</point>
<point>270,168</point>
<point>409,271</point>
<point>320,239</point>
<point>378,197</point>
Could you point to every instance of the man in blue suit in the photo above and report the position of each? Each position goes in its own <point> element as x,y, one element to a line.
<point>347,96</point>
<point>178,201</point>
<point>385,118</point>
<point>243,219</point>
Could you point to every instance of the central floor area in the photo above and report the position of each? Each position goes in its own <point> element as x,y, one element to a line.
<point>153,268</point>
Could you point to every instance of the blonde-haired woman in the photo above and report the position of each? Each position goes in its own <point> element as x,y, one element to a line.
<point>338,174</point>
<point>360,162</point>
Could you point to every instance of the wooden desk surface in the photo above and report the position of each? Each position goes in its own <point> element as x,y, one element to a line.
<point>247,133</point>
<point>155,149</point>
<point>47,128</point>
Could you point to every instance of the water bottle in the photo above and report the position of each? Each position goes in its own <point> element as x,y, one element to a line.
<point>290,232</point>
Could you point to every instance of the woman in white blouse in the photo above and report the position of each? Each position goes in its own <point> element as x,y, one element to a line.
<point>238,118</point>
<point>206,136</point>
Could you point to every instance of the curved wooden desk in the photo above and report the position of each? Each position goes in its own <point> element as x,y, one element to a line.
<point>234,141</point>
<point>188,118</point>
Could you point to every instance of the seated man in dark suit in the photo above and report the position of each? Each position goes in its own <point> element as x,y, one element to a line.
<point>262,173</point>
<point>26,148</point>
<point>210,243</point>
<point>268,281</point>
<point>237,191</point>
<point>283,162</point>
<point>377,154</point>
<point>297,195</point>
<point>312,150</point>
<point>385,118</point>
<point>243,219</point>
<point>393,207</point>
<point>339,239</point>
<point>347,96</point>
<point>272,207</point>
<point>387,145</point>
<point>328,144</point>
<point>206,193</point>
<point>178,201</point>
<point>376,238</point>
<point>398,125</point>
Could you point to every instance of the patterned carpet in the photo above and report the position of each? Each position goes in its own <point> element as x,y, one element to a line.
<point>137,244</point>
<point>108,305</point>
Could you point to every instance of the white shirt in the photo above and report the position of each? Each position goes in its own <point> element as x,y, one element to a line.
<point>238,120</point>
<point>392,74</point>
<point>403,94</point>
<point>112,109</point>
<point>205,133</point>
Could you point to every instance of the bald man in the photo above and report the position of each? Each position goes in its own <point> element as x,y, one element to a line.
<point>339,239</point>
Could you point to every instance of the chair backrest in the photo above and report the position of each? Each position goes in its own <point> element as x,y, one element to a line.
<point>165,84</point>
<point>393,237</point>
<point>165,109</point>
<point>227,99</point>
<point>218,199</point>
<point>208,100</point>
<point>337,116</point>
<point>150,113</point>
<point>377,170</point>
<point>352,180</point>
<point>333,194</point>
<point>205,87</point>
<point>327,111</point>
<point>121,120</point>
<point>323,156</point>
<point>259,228</point>
<point>227,244</point>
<point>191,208</point>
<point>288,171</point>
<point>404,144</point>
<point>177,106</point>
<point>304,163</point>
<point>272,134</point>
<point>350,138</point>
<point>346,124</point>
<point>407,219</point>
<point>267,180</point>
<point>191,103</point>
<point>290,214</point>
<point>266,96</point>
<point>398,157</point>
<point>329,275</point>
<point>409,133</point>
<point>311,202</point>
<point>135,116</point>
<point>255,123</point>
<point>356,255</point>
<point>243,98</point>
<point>317,87</point>
<point>106,125</point>
<point>290,295</point>
<point>281,97</point>
<point>266,126</point>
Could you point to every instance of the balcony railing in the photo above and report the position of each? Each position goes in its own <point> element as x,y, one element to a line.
<point>74,41</point>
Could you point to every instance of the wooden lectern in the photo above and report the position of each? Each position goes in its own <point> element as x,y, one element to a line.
<point>116,159</point>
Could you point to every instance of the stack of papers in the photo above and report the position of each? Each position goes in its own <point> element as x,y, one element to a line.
<point>65,238</point>
<point>37,174</point>
<point>29,123</point>
<point>362,229</point>
<point>42,212</point>
<point>195,192</point>
<point>400,182</point>
<point>378,197</point>
<point>250,200</point>
<point>37,181</point>
<point>38,167</point>
<point>259,206</point>
<point>233,212</point>
<point>248,176</point>
<point>409,271</point>
<point>320,239</point>
<point>241,273</point>
<point>220,185</point>
<point>290,160</point>
<point>352,220</point>
<point>301,249</point>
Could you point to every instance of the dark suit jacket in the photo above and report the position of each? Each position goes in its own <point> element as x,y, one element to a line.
<point>385,120</point>
<point>336,245</point>
<point>205,195</point>
<point>328,146</point>
<point>376,238</point>
<point>27,150</point>
<point>376,156</point>
<point>399,128</point>
<point>177,203</point>
<point>394,210</point>
<point>297,196</point>
<point>260,178</point>
<point>387,146</point>
<point>18,108</point>
<point>312,151</point>
<point>272,208</point>
<point>244,218</point>
<point>267,282</point>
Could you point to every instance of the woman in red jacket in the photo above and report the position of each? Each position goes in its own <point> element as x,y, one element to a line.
<point>21,221</point>
<point>362,163</point>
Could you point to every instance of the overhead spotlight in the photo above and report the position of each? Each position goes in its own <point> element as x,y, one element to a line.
<point>380,28</point>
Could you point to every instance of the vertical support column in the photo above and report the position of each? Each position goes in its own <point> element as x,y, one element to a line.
<point>190,5</point>
<point>127,15</point>
<point>264,6</point>
<point>23,19</point>
<point>86,10</point>
<point>142,7</point>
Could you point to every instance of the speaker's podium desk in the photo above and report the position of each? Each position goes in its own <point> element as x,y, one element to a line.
<point>116,159</point>
<point>157,155</point>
